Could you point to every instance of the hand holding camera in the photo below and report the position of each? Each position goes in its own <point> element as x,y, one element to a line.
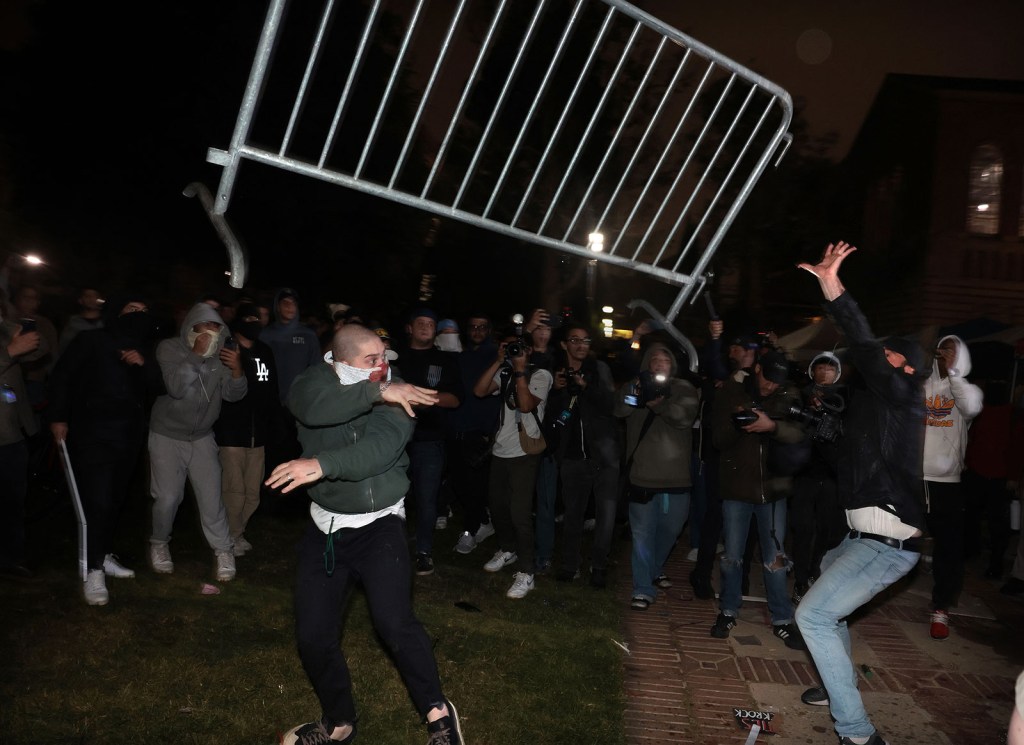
<point>753,421</point>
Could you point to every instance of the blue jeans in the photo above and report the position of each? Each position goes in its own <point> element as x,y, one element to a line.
<point>851,574</point>
<point>426,469</point>
<point>771,533</point>
<point>655,527</point>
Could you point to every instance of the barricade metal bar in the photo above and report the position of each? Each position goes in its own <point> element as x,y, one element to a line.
<point>541,90</point>
<point>572,118</point>
<point>339,111</point>
<point>386,98</point>
<point>466,90</point>
<point>441,57</point>
<point>307,75</point>
<point>615,138</point>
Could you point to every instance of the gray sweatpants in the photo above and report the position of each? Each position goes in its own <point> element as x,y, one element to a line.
<point>170,462</point>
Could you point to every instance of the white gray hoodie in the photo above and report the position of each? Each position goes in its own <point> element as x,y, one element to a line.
<point>951,403</point>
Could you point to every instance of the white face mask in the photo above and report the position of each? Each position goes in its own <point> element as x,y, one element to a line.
<point>214,341</point>
<point>448,343</point>
<point>349,375</point>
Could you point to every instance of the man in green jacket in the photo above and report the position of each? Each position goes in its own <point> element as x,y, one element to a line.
<point>353,440</point>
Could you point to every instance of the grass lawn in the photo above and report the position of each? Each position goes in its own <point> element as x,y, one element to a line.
<point>163,663</point>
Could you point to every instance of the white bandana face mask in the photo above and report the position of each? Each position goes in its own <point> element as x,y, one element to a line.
<point>349,375</point>
<point>214,341</point>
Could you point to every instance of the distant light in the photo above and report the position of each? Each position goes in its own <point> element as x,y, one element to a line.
<point>227,273</point>
<point>607,309</point>
<point>33,260</point>
<point>596,242</point>
<point>982,207</point>
<point>606,322</point>
<point>608,331</point>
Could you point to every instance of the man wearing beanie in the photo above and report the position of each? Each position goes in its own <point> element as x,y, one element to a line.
<point>879,477</point>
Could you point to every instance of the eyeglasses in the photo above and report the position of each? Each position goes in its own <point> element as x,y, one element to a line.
<point>580,340</point>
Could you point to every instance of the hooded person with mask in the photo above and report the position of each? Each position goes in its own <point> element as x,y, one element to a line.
<point>199,373</point>
<point>99,393</point>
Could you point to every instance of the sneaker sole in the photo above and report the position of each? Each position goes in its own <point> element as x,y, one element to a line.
<point>164,570</point>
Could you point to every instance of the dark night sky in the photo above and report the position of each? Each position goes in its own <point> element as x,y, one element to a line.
<point>109,110</point>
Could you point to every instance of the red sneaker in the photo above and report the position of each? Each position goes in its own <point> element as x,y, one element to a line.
<point>940,624</point>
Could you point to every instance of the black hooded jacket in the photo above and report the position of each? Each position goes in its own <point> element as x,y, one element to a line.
<point>881,451</point>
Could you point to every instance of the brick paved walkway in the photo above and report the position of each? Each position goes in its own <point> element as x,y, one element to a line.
<point>682,685</point>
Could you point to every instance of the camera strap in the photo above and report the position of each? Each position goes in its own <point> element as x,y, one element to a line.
<point>643,431</point>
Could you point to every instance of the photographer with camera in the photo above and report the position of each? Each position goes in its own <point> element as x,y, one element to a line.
<point>754,435</point>
<point>816,521</point>
<point>659,409</point>
<point>513,475</point>
<point>879,472</point>
<point>588,452</point>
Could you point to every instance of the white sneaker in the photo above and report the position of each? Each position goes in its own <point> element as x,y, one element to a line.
<point>486,530</point>
<point>441,523</point>
<point>113,568</point>
<point>500,560</point>
<point>589,524</point>
<point>96,588</point>
<point>242,545</point>
<point>225,566</point>
<point>523,584</point>
<point>466,543</point>
<point>692,556</point>
<point>160,558</point>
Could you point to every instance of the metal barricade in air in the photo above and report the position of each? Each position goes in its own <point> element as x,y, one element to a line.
<point>573,125</point>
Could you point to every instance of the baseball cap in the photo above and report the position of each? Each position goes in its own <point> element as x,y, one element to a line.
<point>774,367</point>
<point>747,341</point>
<point>423,312</point>
<point>287,292</point>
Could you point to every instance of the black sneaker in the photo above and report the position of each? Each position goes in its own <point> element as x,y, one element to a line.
<point>314,733</point>
<point>702,586</point>
<point>789,633</point>
<point>446,730</point>
<point>424,564</point>
<point>816,696</point>
<point>876,739</point>
<point>723,625</point>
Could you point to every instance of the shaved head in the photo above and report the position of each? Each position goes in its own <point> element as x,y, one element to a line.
<point>349,341</point>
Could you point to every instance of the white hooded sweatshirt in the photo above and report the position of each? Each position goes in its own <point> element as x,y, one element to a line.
<point>951,403</point>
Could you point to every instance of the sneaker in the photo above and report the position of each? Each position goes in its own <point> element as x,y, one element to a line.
<point>816,696</point>
<point>225,566</point>
<point>521,585</point>
<point>424,565</point>
<point>446,730</point>
<point>876,739</point>
<point>500,560</point>
<point>542,566</point>
<point>96,588</point>
<point>589,524</point>
<point>702,586</point>
<point>486,530</point>
<point>598,578</point>
<point>160,558</point>
<point>694,553</point>
<point>113,568</point>
<point>790,634</point>
<point>940,624</point>
<point>245,545</point>
<point>441,523</point>
<point>314,733</point>
<point>639,602</point>
<point>663,582</point>
<point>466,542</point>
<point>567,575</point>
<point>723,625</point>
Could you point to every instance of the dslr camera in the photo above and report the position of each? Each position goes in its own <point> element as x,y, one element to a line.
<point>823,423</point>
<point>647,388</point>
<point>517,347</point>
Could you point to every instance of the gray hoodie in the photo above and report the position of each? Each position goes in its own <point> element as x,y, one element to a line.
<point>196,386</point>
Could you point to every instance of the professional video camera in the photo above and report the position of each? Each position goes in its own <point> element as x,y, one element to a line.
<point>648,387</point>
<point>824,422</point>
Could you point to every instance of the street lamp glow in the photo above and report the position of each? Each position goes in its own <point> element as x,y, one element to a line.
<point>606,322</point>
<point>607,309</point>
<point>596,242</point>
<point>33,260</point>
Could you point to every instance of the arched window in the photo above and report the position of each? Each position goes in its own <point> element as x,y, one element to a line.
<point>985,190</point>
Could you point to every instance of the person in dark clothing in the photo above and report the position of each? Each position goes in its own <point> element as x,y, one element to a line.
<point>426,366</point>
<point>816,520</point>
<point>244,426</point>
<point>99,395</point>
<point>588,452</point>
<point>880,472</point>
<point>470,433</point>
